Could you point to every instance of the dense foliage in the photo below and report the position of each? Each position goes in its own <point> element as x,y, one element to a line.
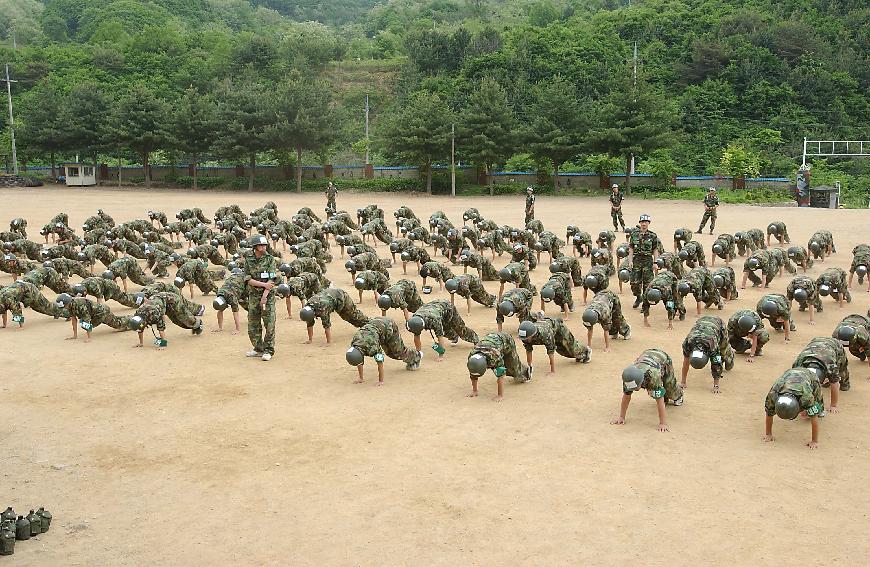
<point>720,87</point>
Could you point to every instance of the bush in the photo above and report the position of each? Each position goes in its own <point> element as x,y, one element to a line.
<point>202,182</point>
<point>760,195</point>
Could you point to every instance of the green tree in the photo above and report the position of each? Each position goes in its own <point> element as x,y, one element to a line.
<point>40,129</point>
<point>84,119</point>
<point>486,127</point>
<point>246,112</point>
<point>138,121</point>
<point>556,124</point>
<point>636,121</point>
<point>739,161</point>
<point>419,132</point>
<point>194,126</point>
<point>303,119</point>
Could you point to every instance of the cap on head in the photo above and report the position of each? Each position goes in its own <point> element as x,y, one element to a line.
<point>645,218</point>
<point>416,324</point>
<point>633,378</point>
<point>527,330</point>
<point>698,359</point>
<point>477,364</point>
<point>506,308</point>
<point>590,317</point>
<point>769,308</point>
<point>787,406</point>
<point>452,285</point>
<point>660,263</point>
<point>683,288</point>
<point>746,324</point>
<point>548,293</point>
<point>653,295</point>
<point>354,356</point>
<point>307,314</point>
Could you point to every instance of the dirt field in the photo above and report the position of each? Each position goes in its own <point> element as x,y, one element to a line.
<point>199,456</point>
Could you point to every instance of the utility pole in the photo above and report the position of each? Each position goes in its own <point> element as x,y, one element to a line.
<point>634,88</point>
<point>367,129</point>
<point>11,121</point>
<point>453,160</point>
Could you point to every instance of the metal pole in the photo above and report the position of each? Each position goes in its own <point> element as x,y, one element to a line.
<point>367,129</point>
<point>804,162</point>
<point>453,160</point>
<point>11,121</point>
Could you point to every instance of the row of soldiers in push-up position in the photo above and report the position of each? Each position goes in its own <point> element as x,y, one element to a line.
<point>466,245</point>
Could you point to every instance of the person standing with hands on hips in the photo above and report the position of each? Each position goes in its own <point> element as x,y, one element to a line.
<point>261,276</point>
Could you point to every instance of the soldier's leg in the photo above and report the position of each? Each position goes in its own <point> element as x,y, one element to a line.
<point>513,365</point>
<point>352,315</point>
<point>458,326</point>
<point>704,220</point>
<point>40,304</point>
<point>752,277</point>
<point>740,344</point>
<point>269,325</point>
<point>533,261</point>
<point>567,346</point>
<point>255,328</point>
<point>621,220</point>
<point>614,218</point>
<point>679,306</point>
<point>636,281</point>
<point>181,317</point>
<point>673,391</point>
<point>395,348</point>
<point>480,295</point>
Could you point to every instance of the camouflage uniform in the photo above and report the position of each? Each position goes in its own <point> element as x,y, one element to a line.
<point>195,272</point>
<point>642,244</point>
<point>234,292</point>
<point>749,241</point>
<point>336,300</point>
<point>438,271</point>
<point>158,262</point>
<point>302,265</point>
<point>801,383</point>
<point>603,257</point>
<point>659,379</point>
<point>580,240</point>
<point>484,267</point>
<point>616,209</point>
<point>16,266</point>
<point>371,261</point>
<point>331,191</point>
<point>860,343</point>
<point>471,286</point>
<point>380,335</point>
<point>416,254</point>
<point>711,201</point>
<point>378,229</point>
<point>493,241</point>
<point>127,267</point>
<point>781,260</point>
<point>860,257</point>
<point>522,253</point>
<point>94,252</point>
<point>600,275</point>
<point>825,240</point>
<point>708,335</point>
<point>28,294</point>
<point>696,254</point>
<point>421,233</point>
<point>28,248</point>
<point>740,342</point>
<point>92,314</point>
<point>404,212</point>
<point>701,282</point>
<point>376,281</point>
<point>500,351</point>
<point>782,231</point>
<point>609,309</point>
<point>304,285</point>
<point>806,283</point>
<point>561,285</point>
<point>520,276</point>
<point>549,242</point>
<point>555,336</point>
<point>666,282</point>
<point>404,295</point>
<point>443,320</point>
<point>835,279</point>
<point>530,208</point>
<point>727,274</point>
<point>766,265</point>
<point>783,310</point>
<point>47,277</point>
<point>681,237</point>
<point>369,213</point>
<point>726,241</point>
<point>522,300</point>
<point>570,265</point>
<point>671,262</point>
<point>831,355</point>
<point>264,269</point>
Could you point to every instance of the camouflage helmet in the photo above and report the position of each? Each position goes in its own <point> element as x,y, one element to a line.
<point>307,314</point>
<point>653,295</point>
<point>787,406</point>
<point>753,263</point>
<point>555,267</point>
<point>824,290</point>
<point>405,255</point>
<point>477,364</point>
<point>622,251</point>
<point>416,324</point>
<point>350,266</point>
<point>452,285</point>
<point>591,282</point>
<point>354,356</point>
<point>698,359</point>
<point>633,378</point>
<point>815,247</point>
<point>424,271</point>
<point>683,254</point>
<point>259,240</point>
<point>385,301</point>
<point>79,290</point>
<point>527,330</point>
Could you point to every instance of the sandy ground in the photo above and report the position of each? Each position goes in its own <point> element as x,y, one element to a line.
<point>197,455</point>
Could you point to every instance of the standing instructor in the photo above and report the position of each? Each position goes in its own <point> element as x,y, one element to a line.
<point>261,276</point>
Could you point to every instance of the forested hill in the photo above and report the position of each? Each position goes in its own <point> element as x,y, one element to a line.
<point>719,84</point>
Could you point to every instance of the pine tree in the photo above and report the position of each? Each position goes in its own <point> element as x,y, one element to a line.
<point>139,122</point>
<point>246,113</point>
<point>194,126</point>
<point>486,127</point>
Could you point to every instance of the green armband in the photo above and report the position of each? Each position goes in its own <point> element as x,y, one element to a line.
<point>161,342</point>
<point>379,357</point>
<point>814,410</point>
<point>669,304</point>
<point>85,325</point>
<point>18,319</point>
<point>499,371</point>
<point>657,393</point>
<point>438,348</point>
